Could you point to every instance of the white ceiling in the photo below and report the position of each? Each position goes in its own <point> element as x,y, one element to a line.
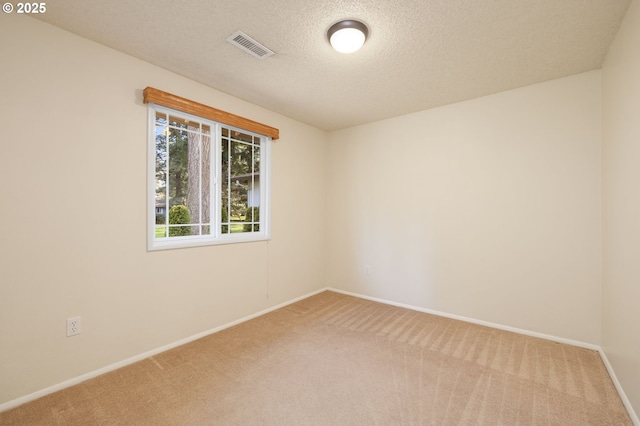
<point>420,53</point>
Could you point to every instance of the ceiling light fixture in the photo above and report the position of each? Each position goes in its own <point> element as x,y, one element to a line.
<point>347,36</point>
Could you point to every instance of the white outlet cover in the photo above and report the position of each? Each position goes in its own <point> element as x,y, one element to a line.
<point>74,326</point>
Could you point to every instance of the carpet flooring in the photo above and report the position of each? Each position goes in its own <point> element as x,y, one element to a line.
<point>333,359</point>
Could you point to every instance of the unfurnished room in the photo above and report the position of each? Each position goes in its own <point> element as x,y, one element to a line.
<point>290,212</point>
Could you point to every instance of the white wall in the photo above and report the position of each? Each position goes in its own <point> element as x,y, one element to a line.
<point>73,214</point>
<point>488,209</point>
<point>621,205</point>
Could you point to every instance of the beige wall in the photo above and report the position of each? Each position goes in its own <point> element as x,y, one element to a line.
<point>488,209</point>
<point>621,205</point>
<point>73,238</point>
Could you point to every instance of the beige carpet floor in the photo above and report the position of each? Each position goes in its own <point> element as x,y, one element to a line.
<point>333,359</point>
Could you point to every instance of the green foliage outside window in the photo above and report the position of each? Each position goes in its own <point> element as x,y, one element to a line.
<point>179,215</point>
<point>225,219</point>
<point>254,218</point>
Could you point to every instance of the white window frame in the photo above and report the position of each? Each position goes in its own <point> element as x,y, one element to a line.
<point>216,237</point>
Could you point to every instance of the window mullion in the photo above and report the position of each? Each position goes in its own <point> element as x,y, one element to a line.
<point>216,164</point>
<point>200,154</point>
<point>265,188</point>
<point>166,179</point>
<point>229,182</point>
<point>253,186</point>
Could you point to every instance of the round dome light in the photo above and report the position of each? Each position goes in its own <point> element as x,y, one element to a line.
<point>347,36</point>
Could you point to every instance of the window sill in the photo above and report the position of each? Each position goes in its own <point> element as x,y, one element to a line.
<point>187,242</point>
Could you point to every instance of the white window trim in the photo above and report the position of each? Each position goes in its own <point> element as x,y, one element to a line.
<point>216,238</point>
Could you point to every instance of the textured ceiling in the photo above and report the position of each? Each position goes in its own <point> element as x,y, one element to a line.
<point>420,53</point>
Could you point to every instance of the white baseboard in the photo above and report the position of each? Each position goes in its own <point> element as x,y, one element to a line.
<point>92,374</point>
<point>616,382</point>
<point>474,321</point>
<point>79,379</point>
<point>623,396</point>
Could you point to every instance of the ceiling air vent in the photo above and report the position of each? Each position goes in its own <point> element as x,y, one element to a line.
<point>249,45</point>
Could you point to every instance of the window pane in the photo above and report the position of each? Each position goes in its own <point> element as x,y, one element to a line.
<point>240,182</point>
<point>193,181</point>
<point>189,178</point>
<point>178,122</point>
<point>256,159</point>
<point>252,219</point>
<point>178,146</point>
<point>161,231</point>
<point>161,119</point>
<point>241,137</point>
<point>240,160</point>
<point>161,176</point>
<point>253,212</point>
<point>205,167</point>
<point>225,208</point>
<point>238,203</point>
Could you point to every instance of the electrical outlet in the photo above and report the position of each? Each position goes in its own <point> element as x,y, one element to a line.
<point>367,269</point>
<point>73,326</point>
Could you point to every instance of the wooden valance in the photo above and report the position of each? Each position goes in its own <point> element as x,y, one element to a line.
<point>185,105</point>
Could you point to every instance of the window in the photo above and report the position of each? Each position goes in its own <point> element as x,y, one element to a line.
<point>208,181</point>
